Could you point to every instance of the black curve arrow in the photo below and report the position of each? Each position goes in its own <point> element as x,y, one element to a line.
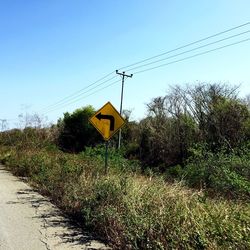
<point>107,117</point>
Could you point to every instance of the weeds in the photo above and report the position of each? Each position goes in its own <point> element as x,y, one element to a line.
<point>130,210</point>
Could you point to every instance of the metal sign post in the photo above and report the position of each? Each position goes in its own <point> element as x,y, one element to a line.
<point>107,121</point>
<point>106,157</point>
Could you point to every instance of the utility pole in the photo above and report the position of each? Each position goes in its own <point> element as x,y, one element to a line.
<point>3,121</point>
<point>123,77</point>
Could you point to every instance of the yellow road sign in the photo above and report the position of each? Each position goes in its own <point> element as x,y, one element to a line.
<point>107,121</point>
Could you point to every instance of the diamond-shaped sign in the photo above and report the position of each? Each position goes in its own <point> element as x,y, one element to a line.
<point>107,121</point>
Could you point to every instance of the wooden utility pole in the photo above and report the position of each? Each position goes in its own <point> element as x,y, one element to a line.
<point>123,77</point>
<point>4,122</point>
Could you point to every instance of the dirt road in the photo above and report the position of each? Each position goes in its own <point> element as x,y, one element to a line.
<point>28,221</point>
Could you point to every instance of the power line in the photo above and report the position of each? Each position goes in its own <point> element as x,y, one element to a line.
<point>187,51</point>
<point>70,99</point>
<point>77,100</point>
<point>77,92</point>
<point>78,95</point>
<point>12,119</point>
<point>189,57</point>
<point>186,45</point>
<point>141,71</point>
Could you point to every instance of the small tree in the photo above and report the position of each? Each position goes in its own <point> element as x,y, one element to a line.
<point>75,131</point>
<point>167,132</point>
<point>219,113</point>
<point>226,125</point>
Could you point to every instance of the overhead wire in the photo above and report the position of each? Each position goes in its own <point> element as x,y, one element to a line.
<point>186,45</point>
<point>191,50</point>
<point>71,98</point>
<point>77,92</point>
<point>79,99</point>
<point>11,119</point>
<point>189,57</point>
<point>148,69</point>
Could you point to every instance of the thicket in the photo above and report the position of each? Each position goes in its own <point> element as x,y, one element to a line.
<point>197,136</point>
<point>131,210</point>
<point>75,132</point>
<point>210,115</point>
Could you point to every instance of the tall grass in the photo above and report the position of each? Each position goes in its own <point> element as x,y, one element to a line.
<point>132,211</point>
<point>222,173</point>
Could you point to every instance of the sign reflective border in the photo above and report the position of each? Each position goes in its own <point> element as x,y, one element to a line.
<point>107,121</point>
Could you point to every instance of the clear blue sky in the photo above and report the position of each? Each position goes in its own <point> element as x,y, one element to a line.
<point>52,48</point>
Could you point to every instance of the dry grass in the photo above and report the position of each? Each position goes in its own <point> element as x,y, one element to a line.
<point>133,211</point>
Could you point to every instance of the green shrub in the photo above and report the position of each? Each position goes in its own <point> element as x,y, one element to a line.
<point>116,158</point>
<point>135,211</point>
<point>76,132</point>
<point>227,174</point>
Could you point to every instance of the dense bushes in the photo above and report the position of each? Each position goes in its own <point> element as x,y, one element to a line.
<point>165,141</point>
<point>75,131</point>
<point>220,173</point>
<point>209,114</point>
<point>130,210</point>
<point>29,137</point>
<point>198,136</point>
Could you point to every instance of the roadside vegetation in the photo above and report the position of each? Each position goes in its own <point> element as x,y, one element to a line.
<point>181,180</point>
